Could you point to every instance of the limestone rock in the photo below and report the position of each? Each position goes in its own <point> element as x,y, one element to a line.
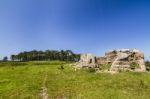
<point>125,57</point>
<point>119,59</point>
<point>86,60</point>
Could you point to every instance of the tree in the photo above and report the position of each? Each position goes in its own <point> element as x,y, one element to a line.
<point>63,55</point>
<point>5,58</point>
<point>12,57</point>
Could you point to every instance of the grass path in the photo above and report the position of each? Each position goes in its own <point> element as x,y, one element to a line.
<point>43,93</point>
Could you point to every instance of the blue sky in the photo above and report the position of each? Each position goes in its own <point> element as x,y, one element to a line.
<point>83,26</point>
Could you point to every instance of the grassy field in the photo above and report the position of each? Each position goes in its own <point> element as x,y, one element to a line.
<point>25,81</point>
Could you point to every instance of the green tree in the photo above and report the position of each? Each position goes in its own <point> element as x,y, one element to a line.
<point>63,55</point>
<point>13,57</point>
<point>5,58</point>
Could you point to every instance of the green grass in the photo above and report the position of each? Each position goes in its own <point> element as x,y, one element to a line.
<point>24,81</point>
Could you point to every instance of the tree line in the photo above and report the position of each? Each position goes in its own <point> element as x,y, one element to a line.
<point>48,55</point>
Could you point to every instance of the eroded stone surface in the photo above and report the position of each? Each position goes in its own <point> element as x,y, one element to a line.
<point>125,57</point>
<point>86,60</point>
<point>120,59</point>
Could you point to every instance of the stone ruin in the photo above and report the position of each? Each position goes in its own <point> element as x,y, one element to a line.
<point>86,60</point>
<point>119,59</point>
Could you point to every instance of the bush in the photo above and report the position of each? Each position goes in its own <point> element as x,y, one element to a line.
<point>134,65</point>
<point>91,70</point>
<point>147,64</point>
<point>120,70</point>
<point>61,67</point>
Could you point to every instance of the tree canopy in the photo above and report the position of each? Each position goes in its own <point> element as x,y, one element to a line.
<point>62,55</point>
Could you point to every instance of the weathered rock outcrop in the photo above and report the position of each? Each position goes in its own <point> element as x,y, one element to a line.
<point>86,60</point>
<point>119,59</point>
<point>124,57</point>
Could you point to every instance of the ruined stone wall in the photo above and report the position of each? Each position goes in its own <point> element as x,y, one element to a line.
<point>86,60</point>
<point>119,59</point>
<point>124,58</point>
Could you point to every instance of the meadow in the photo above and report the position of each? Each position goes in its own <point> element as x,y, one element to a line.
<point>24,80</point>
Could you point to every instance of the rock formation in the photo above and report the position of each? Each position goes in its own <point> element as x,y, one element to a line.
<point>119,59</point>
<point>122,58</point>
<point>86,60</point>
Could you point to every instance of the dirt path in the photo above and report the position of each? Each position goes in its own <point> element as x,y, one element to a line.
<point>43,92</point>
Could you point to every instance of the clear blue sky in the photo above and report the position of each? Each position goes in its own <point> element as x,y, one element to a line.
<point>80,25</point>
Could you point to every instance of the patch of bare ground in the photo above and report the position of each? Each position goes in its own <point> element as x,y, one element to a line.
<point>43,92</point>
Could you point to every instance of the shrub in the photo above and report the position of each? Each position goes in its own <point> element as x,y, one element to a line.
<point>119,70</point>
<point>91,70</point>
<point>134,65</point>
<point>147,64</point>
<point>61,67</point>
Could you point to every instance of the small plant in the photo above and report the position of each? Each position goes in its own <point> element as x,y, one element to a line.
<point>61,67</point>
<point>119,70</point>
<point>91,70</point>
<point>134,65</point>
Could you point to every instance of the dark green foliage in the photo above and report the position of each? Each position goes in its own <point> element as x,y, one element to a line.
<point>5,59</point>
<point>134,65</point>
<point>61,67</point>
<point>147,64</point>
<point>91,70</point>
<point>63,55</point>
